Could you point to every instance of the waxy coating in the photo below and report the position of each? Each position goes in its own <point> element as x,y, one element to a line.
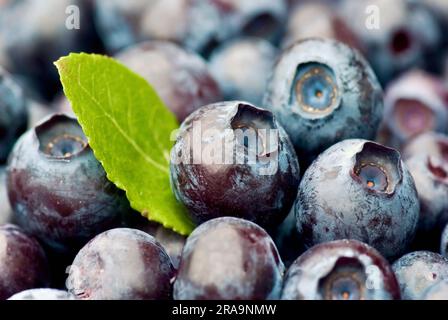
<point>335,203</point>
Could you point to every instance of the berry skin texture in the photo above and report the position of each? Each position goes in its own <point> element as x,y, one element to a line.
<point>427,160</point>
<point>13,114</point>
<point>444,243</point>
<point>23,263</point>
<point>216,171</point>
<point>413,104</point>
<point>341,270</point>
<point>358,189</point>
<point>5,208</point>
<point>419,270</point>
<point>43,294</point>
<point>242,68</point>
<point>58,190</point>
<point>439,291</point>
<point>121,264</point>
<point>180,77</point>
<point>229,259</point>
<point>323,92</point>
<point>170,240</point>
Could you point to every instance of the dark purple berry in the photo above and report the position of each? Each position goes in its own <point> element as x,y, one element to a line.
<point>234,159</point>
<point>58,190</point>
<point>43,294</point>
<point>419,270</point>
<point>229,259</point>
<point>242,68</point>
<point>413,105</point>
<point>360,190</point>
<point>181,78</point>
<point>13,113</point>
<point>341,270</point>
<point>323,92</point>
<point>23,263</point>
<point>121,264</point>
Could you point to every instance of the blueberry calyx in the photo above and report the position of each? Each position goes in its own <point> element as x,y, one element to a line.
<point>413,116</point>
<point>250,118</point>
<point>378,168</point>
<point>61,137</point>
<point>315,89</point>
<point>346,281</point>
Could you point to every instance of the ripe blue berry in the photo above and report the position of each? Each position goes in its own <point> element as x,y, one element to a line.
<point>361,190</point>
<point>323,92</point>
<point>59,192</point>
<point>229,259</point>
<point>122,263</point>
<point>234,159</point>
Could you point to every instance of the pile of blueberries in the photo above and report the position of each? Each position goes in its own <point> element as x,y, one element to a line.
<point>356,208</point>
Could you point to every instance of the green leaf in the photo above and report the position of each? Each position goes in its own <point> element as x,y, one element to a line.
<point>129,129</point>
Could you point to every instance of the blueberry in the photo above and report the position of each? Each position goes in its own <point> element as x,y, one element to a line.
<point>58,190</point>
<point>23,263</point>
<point>242,67</point>
<point>428,144</point>
<point>340,270</point>
<point>438,291</point>
<point>444,243</point>
<point>120,264</point>
<point>397,35</point>
<point>419,270</point>
<point>13,114</point>
<point>413,105</point>
<point>43,294</point>
<point>229,259</point>
<point>199,25</point>
<point>180,77</point>
<point>431,180</point>
<point>319,19</point>
<point>361,190</point>
<point>323,92</point>
<point>234,159</point>
<point>29,49</point>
